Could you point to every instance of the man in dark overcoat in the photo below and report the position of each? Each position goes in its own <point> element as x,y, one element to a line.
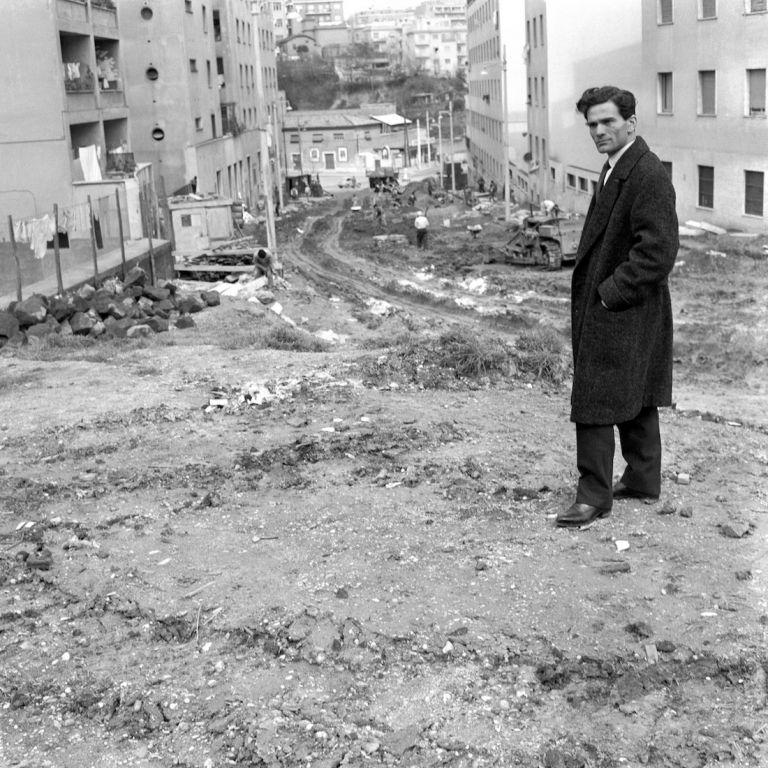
<point>621,313</point>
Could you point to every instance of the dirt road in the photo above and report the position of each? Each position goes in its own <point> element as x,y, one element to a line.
<point>349,559</point>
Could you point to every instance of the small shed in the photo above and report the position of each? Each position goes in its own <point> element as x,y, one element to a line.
<point>200,222</point>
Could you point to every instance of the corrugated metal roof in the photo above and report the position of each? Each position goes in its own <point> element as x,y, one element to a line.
<point>391,119</point>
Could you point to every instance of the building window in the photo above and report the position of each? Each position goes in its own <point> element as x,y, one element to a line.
<point>707,9</point>
<point>294,138</point>
<point>667,167</point>
<point>665,93</point>
<point>757,6</point>
<point>342,152</point>
<point>754,184</point>
<point>756,92</point>
<point>314,154</point>
<point>193,65</point>
<point>338,136</point>
<point>205,20</point>
<point>188,6</point>
<point>198,123</point>
<point>707,92</point>
<point>208,73</point>
<point>583,186</point>
<point>665,11</point>
<point>317,138</point>
<point>571,180</point>
<point>706,186</point>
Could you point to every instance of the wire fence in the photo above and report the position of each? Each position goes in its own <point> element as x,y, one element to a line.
<point>60,244</point>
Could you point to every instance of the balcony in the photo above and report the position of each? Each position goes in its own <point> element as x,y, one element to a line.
<point>74,11</point>
<point>104,15</point>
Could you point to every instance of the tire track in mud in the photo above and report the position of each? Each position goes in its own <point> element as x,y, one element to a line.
<point>358,288</point>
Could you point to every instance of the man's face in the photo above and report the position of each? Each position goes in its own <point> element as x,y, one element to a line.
<point>609,130</point>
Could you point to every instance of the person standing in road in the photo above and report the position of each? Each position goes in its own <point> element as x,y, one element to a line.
<point>621,313</point>
<point>421,223</point>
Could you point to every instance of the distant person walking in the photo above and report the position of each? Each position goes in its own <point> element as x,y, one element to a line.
<point>421,223</point>
<point>492,191</point>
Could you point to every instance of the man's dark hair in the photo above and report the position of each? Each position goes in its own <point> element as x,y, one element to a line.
<point>624,100</point>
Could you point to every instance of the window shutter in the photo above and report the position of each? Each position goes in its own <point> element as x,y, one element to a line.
<point>758,5</point>
<point>665,9</point>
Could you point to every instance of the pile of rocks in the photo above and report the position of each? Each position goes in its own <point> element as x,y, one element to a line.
<point>119,308</point>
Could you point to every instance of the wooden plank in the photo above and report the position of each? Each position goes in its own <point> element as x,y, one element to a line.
<point>212,268</point>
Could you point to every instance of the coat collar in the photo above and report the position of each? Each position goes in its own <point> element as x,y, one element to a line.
<point>601,206</point>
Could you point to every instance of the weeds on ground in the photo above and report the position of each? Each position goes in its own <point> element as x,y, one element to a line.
<point>55,347</point>
<point>273,337</point>
<point>452,359</point>
<point>542,354</point>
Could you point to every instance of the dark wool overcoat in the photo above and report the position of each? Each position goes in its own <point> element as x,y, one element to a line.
<point>622,353</point>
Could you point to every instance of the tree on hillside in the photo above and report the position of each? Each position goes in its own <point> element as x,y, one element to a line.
<point>309,83</point>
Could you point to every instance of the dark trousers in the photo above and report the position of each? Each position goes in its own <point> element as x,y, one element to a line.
<point>421,238</point>
<point>640,441</point>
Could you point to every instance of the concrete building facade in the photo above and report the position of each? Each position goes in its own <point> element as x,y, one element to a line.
<point>703,105</point>
<point>63,89</point>
<point>562,162</point>
<point>191,88</point>
<point>496,137</point>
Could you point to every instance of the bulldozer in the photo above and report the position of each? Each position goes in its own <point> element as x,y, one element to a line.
<point>544,240</point>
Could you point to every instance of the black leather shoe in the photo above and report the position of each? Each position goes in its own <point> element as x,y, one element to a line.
<point>580,514</point>
<point>621,491</point>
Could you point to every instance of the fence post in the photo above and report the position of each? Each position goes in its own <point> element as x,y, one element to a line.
<point>167,214</point>
<point>16,258</point>
<point>56,254</point>
<point>146,224</point>
<point>93,240</point>
<point>120,229</point>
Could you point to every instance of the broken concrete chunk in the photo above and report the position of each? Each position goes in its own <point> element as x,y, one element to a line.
<point>185,321</point>
<point>136,276</point>
<point>139,331</point>
<point>153,293</point>
<point>31,311</point>
<point>735,529</point>
<point>211,298</point>
<point>81,323</point>
<point>683,478</point>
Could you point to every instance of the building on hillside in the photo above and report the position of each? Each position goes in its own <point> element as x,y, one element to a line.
<point>562,162</point>
<point>435,45</point>
<point>352,141</point>
<point>65,124</point>
<point>191,88</point>
<point>299,45</point>
<point>702,105</point>
<point>496,102</point>
<point>317,13</point>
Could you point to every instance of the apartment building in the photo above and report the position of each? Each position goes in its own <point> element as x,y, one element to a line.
<point>496,102</point>
<point>435,45</point>
<point>191,87</point>
<point>703,105</point>
<point>563,164</point>
<point>63,90</point>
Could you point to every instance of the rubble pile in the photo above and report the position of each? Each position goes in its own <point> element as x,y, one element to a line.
<point>128,308</point>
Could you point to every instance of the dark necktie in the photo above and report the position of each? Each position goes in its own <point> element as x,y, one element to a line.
<point>601,180</point>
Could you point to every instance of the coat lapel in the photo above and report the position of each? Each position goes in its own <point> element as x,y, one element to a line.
<point>600,207</point>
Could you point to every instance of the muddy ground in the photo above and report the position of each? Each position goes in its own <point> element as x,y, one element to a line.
<point>344,554</point>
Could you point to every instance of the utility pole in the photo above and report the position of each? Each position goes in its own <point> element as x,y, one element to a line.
<point>278,165</point>
<point>440,147</point>
<point>505,127</point>
<point>453,165</point>
<point>429,142</point>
